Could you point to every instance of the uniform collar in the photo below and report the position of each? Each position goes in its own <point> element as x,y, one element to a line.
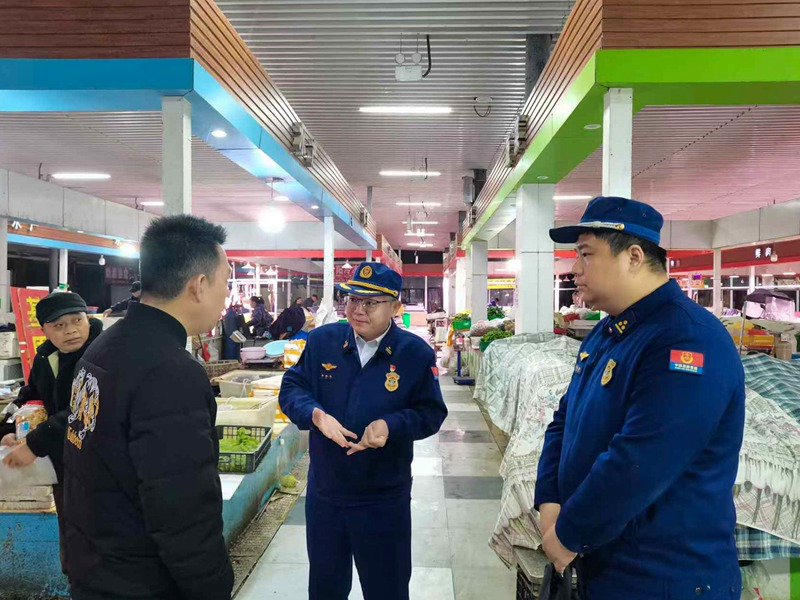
<point>386,340</point>
<point>641,310</point>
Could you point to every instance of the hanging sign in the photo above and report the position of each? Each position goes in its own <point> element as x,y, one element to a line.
<point>29,331</point>
<point>502,284</point>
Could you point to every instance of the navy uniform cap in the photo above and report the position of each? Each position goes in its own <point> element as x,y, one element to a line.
<point>373,279</point>
<point>616,214</point>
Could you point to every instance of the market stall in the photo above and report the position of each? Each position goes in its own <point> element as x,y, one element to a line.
<point>522,381</point>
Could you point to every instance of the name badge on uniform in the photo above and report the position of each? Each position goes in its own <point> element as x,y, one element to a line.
<point>609,372</point>
<point>392,379</point>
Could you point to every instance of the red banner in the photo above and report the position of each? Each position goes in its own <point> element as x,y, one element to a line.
<point>341,275</point>
<point>29,331</point>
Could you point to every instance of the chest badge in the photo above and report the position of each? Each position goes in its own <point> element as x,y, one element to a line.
<point>392,379</point>
<point>609,372</point>
<point>328,366</point>
<point>388,350</point>
<point>584,356</point>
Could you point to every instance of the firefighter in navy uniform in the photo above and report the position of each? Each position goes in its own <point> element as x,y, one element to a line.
<point>366,390</point>
<point>639,463</point>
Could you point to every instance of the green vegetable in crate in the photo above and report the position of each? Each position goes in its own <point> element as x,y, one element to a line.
<point>495,312</point>
<point>243,442</point>
<point>496,334</point>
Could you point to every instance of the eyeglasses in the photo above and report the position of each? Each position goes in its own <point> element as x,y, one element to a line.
<point>367,305</point>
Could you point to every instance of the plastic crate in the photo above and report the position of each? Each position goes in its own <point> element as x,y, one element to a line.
<point>462,325</point>
<point>243,462</point>
<point>526,589</point>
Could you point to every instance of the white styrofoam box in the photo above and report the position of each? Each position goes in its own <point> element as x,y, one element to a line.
<point>272,383</point>
<point>245,412</point>
<point>232,389</point>
<point>9,345</point>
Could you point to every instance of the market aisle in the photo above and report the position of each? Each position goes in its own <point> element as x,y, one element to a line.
<point>454,507</point>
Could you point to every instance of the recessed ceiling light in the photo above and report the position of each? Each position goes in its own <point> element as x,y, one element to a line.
<point>592,126</point>
<point>128,250</point>
<point>416,234</point>
<point>406,110</point>
<point>542,177</point>
<point>391,173</point>
<point>572,197</point>
<point>315,207</point>
<point>420,244</point>
<point>421,222</point>
<point>219,133</point>
<point>81,176</point>
<point>281,199</point>
<point>153,203</point>
<point>272,220</point>
<point>431,204</point>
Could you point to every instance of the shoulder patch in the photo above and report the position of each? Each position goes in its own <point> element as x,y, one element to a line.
<point>686,361</point>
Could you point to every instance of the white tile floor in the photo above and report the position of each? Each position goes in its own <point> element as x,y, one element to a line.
<point>450,530</point>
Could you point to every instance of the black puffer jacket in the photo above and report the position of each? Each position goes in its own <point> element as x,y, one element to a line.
<point>54,391</point>
<point>142,495</point>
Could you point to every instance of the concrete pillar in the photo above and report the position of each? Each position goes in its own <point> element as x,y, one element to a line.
<point>717,289</point>
<point>288,287</point>
<point>426,294</point>
<point>460,286</point>
<point>556,293</point>
<point>449,293</point>
<point>751,286</point>
<point>328,266</point>
<point>369,210</point>
<point>535,254</point>
<point>478,279</point>
<point>54,269</point>
<point>176,155</point>
<point>618,142</point>
<point>5,287</point>
<point>63,266</point>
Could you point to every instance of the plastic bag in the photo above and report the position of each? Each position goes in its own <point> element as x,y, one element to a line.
<point>41,472</point>
<point>324,316</point>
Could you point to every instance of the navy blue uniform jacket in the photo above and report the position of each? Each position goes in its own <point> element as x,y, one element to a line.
<point>329,376</point>
<point>643,452</point>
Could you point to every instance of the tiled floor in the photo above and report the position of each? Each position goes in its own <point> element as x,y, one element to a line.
<point>454,507</point>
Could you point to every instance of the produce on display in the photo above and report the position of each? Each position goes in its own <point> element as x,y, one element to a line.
<point>243,442</point>
<point>495,312</point>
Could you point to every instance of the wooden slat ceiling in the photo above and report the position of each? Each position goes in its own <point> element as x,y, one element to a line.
<point>703,162</point>
<point>331,57</point>
<point>128,147</point>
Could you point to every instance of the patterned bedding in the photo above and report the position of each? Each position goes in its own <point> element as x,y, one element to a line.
<point>522,381</point>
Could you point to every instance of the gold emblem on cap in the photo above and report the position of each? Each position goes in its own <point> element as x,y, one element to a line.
<point>609,372</point>
<point>366,272</point>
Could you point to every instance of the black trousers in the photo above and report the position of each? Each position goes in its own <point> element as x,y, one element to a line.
<point>376,535</point>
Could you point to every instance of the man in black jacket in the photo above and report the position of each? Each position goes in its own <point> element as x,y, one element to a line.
<point>69,333</point>
<point>121,307</point>
<point>142,498</point>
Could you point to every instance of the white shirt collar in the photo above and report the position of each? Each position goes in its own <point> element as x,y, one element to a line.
<point>361,342</point>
